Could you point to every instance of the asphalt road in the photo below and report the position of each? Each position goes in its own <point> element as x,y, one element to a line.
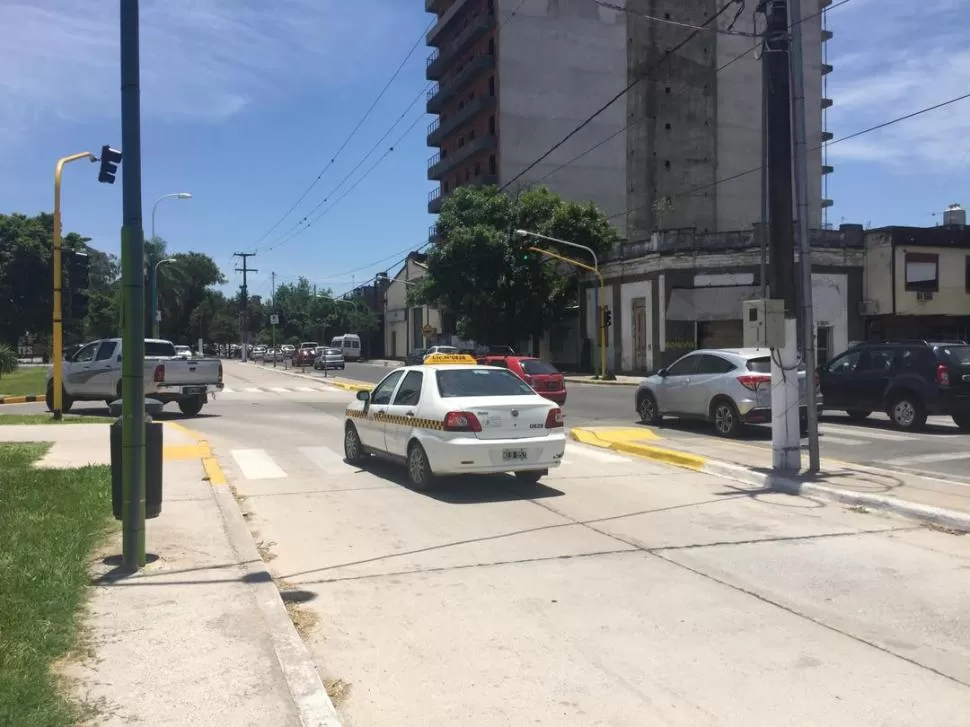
<point>617,591</point>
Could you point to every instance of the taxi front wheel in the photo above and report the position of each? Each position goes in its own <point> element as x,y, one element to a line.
<point>419,469</point>
<point>353,449</point>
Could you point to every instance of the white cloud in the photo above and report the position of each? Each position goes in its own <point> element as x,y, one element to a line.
<point>201,60</point>
<point>898,62</point>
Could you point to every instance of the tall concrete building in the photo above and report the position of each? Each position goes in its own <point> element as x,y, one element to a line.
<point>513,77</point>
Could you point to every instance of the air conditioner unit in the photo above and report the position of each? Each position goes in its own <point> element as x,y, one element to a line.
<point>868,307</point>
<point>924,295</point>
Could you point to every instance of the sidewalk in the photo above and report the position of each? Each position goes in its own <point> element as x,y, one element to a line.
<point>932,500</point>
<point>621,380</point>
<point>201,635</point>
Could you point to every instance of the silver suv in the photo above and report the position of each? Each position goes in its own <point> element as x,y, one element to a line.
<point>728,387</point>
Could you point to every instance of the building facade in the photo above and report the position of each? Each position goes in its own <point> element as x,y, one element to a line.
<point>514,77</point>
<point>917,283</point>
<point>404,323</point>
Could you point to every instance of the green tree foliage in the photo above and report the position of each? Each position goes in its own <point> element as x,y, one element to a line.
<point>308,315</point>
<point>481,272</point>
<point>8,359</point>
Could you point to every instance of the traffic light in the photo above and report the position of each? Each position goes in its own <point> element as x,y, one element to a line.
<point>80,281</point>
<point>607,317</point>
<point>110,159</point>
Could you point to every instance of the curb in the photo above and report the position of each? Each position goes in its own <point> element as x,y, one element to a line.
<point>28,399</point>
<point>309,695</point>
<point>345,385</point>
<point>951,519</point>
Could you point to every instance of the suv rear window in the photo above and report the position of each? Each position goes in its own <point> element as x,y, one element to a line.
<point>959,355</point>
<point>159,350</point>
<point>760,365</point>
<point>535,367</point>
<point>481,382</point>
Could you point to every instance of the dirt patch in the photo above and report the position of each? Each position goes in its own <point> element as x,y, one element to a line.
<point>304,619</point>
<point>265,550</point>
<point>944,529</point>
<point>338,690</point>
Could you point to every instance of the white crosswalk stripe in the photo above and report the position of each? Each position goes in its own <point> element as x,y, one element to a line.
<point>259,464</point>
<point>279,390</point>
<point>838,431</point>
<point>932,458</point>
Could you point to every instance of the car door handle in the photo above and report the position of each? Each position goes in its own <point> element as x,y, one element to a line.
<point>409,414</point>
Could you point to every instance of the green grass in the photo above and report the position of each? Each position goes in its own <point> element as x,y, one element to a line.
<point>11,419</point>
<point>27,380</point>
<point>50,521</point>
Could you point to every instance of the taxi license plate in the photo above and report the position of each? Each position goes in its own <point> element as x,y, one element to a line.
<point>514,455</point>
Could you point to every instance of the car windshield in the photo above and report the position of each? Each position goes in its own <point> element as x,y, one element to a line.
<point>333,352</point>
<point>535,367</point>
<point>445,349</point>
<point>480,382</point>
<point>959,355</point>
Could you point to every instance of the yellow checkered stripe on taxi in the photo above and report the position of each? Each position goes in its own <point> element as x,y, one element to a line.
<point>414,422</point>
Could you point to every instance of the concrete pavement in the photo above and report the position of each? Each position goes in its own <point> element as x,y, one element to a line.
<point>618,591</point>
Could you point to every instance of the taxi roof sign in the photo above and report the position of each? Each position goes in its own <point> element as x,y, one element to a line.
<point>436,359</point>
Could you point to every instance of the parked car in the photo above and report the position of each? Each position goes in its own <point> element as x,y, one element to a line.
<point>183,351</point>
<point>416,357</point>
<point>329,358</point>
<point>543,377</point>
<point>909,380</point>
<point>259,353</point>
<point>94,374</point>
<point>305,354</point>
<point>728,387</point>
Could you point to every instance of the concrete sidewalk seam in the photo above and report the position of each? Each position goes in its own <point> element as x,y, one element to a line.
<point>27,399</point>
<point>939,516</point>
<point>309,695</point>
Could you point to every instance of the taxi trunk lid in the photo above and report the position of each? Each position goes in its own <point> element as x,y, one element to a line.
<point>512,417</point>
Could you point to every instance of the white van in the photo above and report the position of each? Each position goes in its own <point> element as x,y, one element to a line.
<point>348,344</point>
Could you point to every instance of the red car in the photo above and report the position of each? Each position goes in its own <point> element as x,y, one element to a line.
<point>545,378</point>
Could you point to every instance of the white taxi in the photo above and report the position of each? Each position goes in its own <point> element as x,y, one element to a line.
<point>452,416</point>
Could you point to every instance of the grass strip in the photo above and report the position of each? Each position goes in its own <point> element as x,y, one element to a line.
<point>25,381</point>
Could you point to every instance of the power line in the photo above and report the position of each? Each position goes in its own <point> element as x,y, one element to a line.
<point>350,136</point>
<point>869,130</point>
<point>680,24</point>
<point>619,95</point>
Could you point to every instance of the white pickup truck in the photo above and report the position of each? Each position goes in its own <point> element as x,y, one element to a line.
<point>93,373</point>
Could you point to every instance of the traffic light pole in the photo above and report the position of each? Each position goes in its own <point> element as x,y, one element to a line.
<point>58,307</point>
<point>133,305</point>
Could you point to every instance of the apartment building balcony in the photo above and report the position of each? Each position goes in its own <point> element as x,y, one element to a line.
<point>434,36</point>
<point>442,58</point>
<point>436,198</point>
<point>439,166</point>
<point>827,68</point>
<point>435,6</point>
<point>439,94</point>
<point>439,130</point>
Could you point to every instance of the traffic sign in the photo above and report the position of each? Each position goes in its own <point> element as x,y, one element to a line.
<point>429,330</point>
<point>274,320</point>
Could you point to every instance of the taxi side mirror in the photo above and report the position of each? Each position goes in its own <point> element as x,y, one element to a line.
<point>363,396</point>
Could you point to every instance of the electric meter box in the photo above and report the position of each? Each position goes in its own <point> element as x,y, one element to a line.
<point>764,323</point>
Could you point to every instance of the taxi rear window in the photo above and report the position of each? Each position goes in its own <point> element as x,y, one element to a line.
<point>480,382</point>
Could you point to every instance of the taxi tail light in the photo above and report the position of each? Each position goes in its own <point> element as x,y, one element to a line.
<point>462,421</point>
<point>554,419</point>
<point>753,381</point>
<point>159,375</point>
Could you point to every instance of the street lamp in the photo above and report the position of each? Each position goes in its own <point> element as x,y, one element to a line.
<point>601,312</point>
<point>155,294</point>
<point>173,195</point>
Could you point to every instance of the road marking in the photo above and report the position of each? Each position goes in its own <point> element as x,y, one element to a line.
<point>255,464</point>
<point>324,458</point>
<point>844,441</point>
<point>279,389</point>
<point>839,430</point>
<point>929,458</point>
<point>308,388</point>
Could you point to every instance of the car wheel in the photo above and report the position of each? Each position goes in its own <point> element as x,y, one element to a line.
<point>647,409</point>
<point>353,448</point>
<point>907,413</point>
<point>530,477</point>
<point>962,421</point>
<point>858,415</point>
<point>191,406</point>
<point>66,401</point>
<point>419,469</point>
<point>727,420</point>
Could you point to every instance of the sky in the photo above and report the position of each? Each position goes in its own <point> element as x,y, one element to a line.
<point>247,104</point>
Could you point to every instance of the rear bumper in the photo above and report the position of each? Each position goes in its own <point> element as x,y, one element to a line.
<point>468,455</point>
<point>180,390</point>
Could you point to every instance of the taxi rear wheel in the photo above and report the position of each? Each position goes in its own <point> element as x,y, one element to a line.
<point>419,469</point>
<point>353,448</point>
<point>531,477</point>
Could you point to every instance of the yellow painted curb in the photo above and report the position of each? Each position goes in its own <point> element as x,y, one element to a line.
<point>213,471</point>
<point>601,438</point>
<point>351,387</point>
<point>210,464</point>
<point>26,399</point>
<point>185,451</point>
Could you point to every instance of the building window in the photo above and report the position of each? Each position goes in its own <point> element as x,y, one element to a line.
<point>461,141</point>
<point>445,188</point>
<point>491,46</point>
<point>468,174</point>
<point>491,164</point>
<point>491,125</point>
<point>471,135</point>
<point>922,272</point>
<point>478,168</point>
<point>491,85</point>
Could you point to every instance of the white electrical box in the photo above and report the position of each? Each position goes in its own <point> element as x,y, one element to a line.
<point>764,323</point>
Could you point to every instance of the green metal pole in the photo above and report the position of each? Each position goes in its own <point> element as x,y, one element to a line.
<point>133,291</point>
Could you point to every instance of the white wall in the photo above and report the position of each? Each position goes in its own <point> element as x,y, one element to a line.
<point>629,292</point>
<point>830,305</point>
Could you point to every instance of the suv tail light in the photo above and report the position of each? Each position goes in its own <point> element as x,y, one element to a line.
<point>554,419</point>
<point>220,371</point>
<point>462,421</point>
<point>942,375</point>
<point>753,381</point>
<point>159,375</point>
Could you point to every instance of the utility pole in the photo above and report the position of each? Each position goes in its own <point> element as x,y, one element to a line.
<point>785,430</point>
<point>272,323</point>
<point>802,231</point>
<point>133,297</point>
<point>244,315</point>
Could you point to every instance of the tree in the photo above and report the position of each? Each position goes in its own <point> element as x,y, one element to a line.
<point>483,274</point>
<point>183,285</point>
